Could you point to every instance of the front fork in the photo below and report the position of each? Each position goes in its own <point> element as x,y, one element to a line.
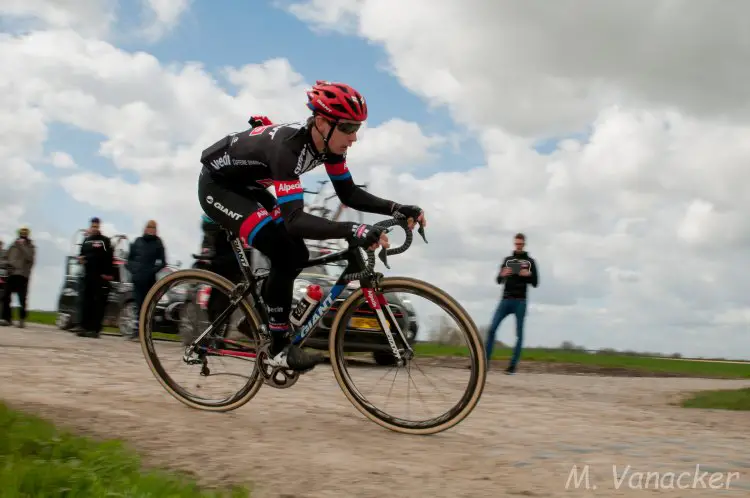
<point>379,304</point>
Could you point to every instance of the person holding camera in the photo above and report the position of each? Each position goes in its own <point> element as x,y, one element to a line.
<point>517,272</point>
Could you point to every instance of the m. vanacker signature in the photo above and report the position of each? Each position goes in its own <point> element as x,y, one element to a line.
<point>626,477</point>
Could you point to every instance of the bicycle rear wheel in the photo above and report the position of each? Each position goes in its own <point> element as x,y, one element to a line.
<point>244,351</point>
<point>465,328</point>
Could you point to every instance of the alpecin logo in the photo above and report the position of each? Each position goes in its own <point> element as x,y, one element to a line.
<point>289,187</point>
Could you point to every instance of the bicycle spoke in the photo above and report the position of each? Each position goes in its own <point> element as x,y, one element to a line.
<point>194,370</point>
<point>437,408</point>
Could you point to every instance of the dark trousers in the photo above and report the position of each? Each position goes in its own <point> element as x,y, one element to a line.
<point>79,302</point>
<point>16,284</point>
<point>94,303</point>
<point>140,289</point>
<point>508,307</point>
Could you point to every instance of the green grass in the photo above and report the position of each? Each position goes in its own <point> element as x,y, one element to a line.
<point>35,316</point>
<point>48,318</point>
<point>725,399</point>
<point>38,460</point>
<point>608,360</point>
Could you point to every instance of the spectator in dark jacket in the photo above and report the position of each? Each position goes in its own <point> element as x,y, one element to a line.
<point>97,258</point>
<point>517,272</point>
<point>145,259</point>
<point>20,259</point>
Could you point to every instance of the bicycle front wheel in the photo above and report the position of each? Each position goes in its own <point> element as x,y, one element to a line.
<point>214,347</point>
<point>356,323</point>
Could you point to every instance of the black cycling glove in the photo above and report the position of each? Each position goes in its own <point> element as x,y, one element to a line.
<point>364,235</point>
<point>407,211</point>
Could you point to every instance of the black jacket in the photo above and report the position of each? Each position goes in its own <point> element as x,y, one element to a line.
<point>99,256</point>
<point>515,285</point>
<point>146,258</point>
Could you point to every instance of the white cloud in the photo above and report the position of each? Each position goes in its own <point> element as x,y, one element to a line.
<point>164,16</point>
<point>640,231</point>
<point>535,69</point>
<point>95,18</point>
<point>89,17</point>
<point>62,160</point>
<point>154,119</point>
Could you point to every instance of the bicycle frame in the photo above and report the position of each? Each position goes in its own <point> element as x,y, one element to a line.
<point>356,266</point>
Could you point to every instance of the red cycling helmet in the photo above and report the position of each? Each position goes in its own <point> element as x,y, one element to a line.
<point>337,101</point>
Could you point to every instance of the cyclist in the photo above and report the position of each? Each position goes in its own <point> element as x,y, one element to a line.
<point>239,168</point>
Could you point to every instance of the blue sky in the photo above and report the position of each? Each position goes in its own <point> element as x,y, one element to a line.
<point>223,33</point>
<point>220,34</point>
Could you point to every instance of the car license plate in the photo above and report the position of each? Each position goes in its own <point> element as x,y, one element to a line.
<point>364,323</point>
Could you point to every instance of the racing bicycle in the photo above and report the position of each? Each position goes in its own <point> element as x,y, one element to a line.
<point>373,287</point>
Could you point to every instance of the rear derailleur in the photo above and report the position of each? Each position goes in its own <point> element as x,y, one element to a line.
<point>193,357</point>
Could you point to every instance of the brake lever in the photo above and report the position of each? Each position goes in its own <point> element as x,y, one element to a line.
<point>420,230</point>
<point>382,254</point>
<point>383,258</point>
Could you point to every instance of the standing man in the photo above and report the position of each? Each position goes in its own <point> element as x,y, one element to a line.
<point>517,272</point>
<point>145,259</point>
<point>97,258</point>
<point>20,260</point>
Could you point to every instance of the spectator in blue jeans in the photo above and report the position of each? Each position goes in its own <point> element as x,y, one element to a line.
<point>517,272</point>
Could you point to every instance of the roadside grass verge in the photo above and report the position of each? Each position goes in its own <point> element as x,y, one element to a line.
<point>608,360</point>
<point>724,399</point>
<point>40,460</point>
<point>34,316</point>
<point>48,318</point>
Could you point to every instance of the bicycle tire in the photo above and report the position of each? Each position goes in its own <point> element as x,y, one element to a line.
<point>476,349</point>
<point>245,394</point>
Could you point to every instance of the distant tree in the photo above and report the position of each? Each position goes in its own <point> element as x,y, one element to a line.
<point>571,346</point>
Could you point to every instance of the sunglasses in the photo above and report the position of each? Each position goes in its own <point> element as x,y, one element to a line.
<point>348,128</point>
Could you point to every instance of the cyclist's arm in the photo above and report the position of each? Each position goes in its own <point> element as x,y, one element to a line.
<point>289,196</point>
<point>352,195</point>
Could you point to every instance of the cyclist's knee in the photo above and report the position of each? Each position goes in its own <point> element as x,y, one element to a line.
<point>255,227</point>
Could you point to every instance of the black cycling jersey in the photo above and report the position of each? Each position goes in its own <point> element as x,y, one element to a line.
<point>276,155</point>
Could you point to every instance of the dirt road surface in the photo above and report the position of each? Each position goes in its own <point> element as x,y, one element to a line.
<point>524,439</point>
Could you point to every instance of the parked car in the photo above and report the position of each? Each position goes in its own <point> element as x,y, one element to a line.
<point>364,334</point>
<point>120,309</point>
<point>3,277</point>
